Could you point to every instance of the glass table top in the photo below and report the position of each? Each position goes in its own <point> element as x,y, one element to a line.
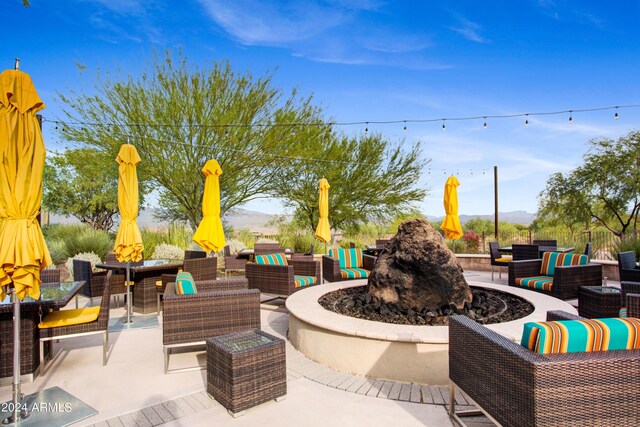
<point>49,292</point>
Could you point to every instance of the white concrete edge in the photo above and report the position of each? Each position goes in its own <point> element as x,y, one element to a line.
<point>304,306</point>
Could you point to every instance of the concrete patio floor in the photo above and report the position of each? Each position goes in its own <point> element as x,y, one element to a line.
<point>132,389</point>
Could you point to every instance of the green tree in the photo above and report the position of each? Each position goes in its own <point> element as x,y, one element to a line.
<point>179,116</point>
<point>83,183</point>
<point>605,190</point>
<point>371,179</point>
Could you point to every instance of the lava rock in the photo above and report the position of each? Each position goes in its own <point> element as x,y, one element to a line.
<point>417,270</point>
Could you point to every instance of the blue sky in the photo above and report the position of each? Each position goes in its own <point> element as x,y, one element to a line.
<point>367,60</point>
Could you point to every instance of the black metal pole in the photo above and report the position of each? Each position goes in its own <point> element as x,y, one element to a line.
<point>495,198</point>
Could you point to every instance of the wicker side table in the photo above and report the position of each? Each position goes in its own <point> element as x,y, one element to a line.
<point>245,369</point>
<point>598,301</point>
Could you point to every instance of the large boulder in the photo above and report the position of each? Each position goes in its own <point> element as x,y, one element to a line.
<point>417,270</point>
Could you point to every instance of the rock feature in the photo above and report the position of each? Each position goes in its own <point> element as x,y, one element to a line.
<point>417,270</point>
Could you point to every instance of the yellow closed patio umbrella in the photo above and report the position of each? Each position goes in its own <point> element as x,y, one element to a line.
<point>128,246</point>
<point>451,224</point>
<point>323,230</point>
<point>23,251</point>
<point>210,234</point>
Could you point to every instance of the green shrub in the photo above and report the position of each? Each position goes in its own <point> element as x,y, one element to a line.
<point>62,232</point>
<point>166,251</point>
<point>179,235</point>
<point>58,250</point>
<point>630,242</point>
<point>88,240</point>
<point>151,239</point>
<point>246,237</point>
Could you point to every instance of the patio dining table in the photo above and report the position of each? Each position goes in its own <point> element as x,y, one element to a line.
<point>53,296</point>
<point>144,275</point>
<point>541,249</point>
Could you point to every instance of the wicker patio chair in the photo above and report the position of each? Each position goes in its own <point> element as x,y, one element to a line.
<point>514,386</point>
<point>497,259</point>
<point>117,281</point>
<point>200,269</point>
<point>566,279</point>
<point>77,324</point>
<point>267,248</point>
<point>521,251</point>
<point>194,254</point>
<point>309,254</point>
<point>232,262</point>
<point>219,307</point>
<point>332,272</point>
<point>281,280</point>
<point>588,250</point>
<point>627,267</point>
<point>542,242</point>
<point>381,243</point>
<point>94,281</point>
<point>50,275</point>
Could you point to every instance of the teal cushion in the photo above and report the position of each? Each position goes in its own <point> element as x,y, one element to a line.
<point>185,285</point>
<point>347,258</point>
<point>544,283</point>
<point>551,260</point>
<point>569,336</point>
<point>354,273</point>
<point>302,281</point>
<point>271,259</point>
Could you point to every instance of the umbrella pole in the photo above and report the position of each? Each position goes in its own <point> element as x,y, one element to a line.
<point>129,292</point>
<point>17,411</point>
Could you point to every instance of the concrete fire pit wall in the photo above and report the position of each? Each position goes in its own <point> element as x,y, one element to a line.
<point>416,354</point>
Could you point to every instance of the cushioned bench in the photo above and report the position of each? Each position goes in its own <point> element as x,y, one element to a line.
<point>557,274</point>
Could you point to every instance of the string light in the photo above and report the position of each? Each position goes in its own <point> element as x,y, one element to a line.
<point>405,126</point>
<point>526,122</point>
<point>227,126</point>
<point>485,123</point>
<point>366,130</point>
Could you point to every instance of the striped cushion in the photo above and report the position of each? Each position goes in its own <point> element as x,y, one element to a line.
<point>354,273</point>
<point>569,336</point>
<point>623,312</point>
<point>271,259</point>
<point>302,281</point>
<point>544,283</point>
<point>185,284</point>
<point>550,260</point>
<point>348,258</point>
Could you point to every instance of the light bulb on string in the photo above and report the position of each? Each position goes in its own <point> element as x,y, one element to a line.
<point>570,117</point>
<point>366,129</point>
<point>616,116</point>
<point>526,122</point>
<point>443,126</point>
<point>485,123</point>
<point>405,127</point>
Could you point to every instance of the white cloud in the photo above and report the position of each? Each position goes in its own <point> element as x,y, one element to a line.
<point>469,30</point>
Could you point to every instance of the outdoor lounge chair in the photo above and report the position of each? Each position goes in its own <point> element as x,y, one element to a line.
<point>521,252</point>
<point>549,242</point>
<point>219,307</point>
<point>274,274</point>
<point>627,267</point>
<point>194,254</point>
<point>267,248</point>
<point>497,259</point>
<point>50,275</point>
<point>77,322</point>
<point>515,386</point>
<point>117,279</point>
<point>345,264</point>
<point>232,262</point>
<point>557,274</point>
<point>200,269</point>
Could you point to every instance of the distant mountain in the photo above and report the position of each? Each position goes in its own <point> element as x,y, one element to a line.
<point>513,217</point>
<point>258,222</point>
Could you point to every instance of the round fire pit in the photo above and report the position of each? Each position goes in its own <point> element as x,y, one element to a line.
<point>406,353</point>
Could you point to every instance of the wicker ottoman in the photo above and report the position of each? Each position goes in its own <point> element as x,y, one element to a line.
<point>598,301</point>
<point>245,369</point>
